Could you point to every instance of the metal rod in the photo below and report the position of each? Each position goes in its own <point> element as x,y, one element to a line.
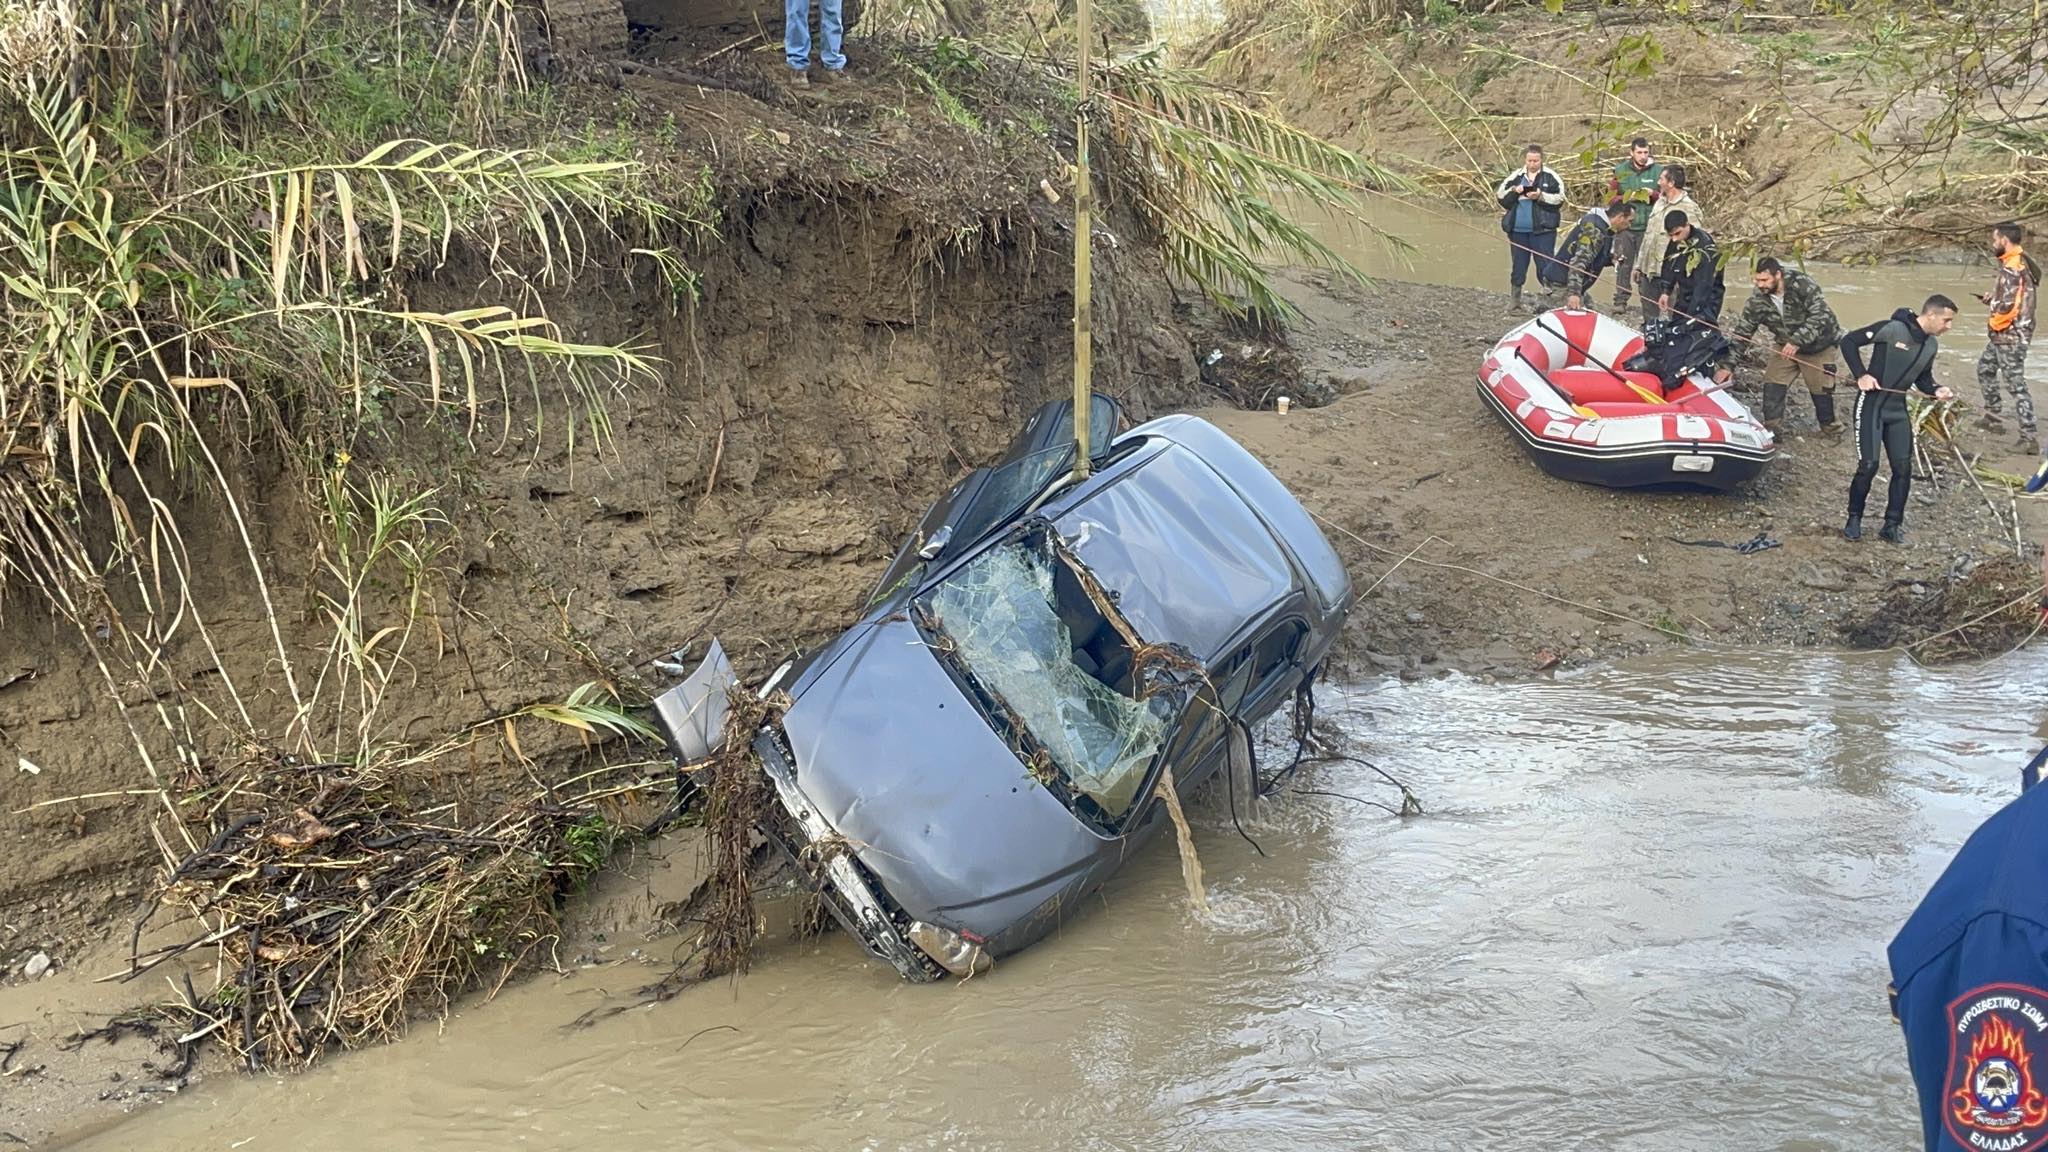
<point>1082,335</point>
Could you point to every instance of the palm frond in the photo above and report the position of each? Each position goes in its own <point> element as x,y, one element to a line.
<point>1207,170</point>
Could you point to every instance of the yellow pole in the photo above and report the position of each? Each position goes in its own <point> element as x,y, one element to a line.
<point>1082,391</point>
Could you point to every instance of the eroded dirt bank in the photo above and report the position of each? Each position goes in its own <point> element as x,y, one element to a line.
<point>1796,129</point>
<point>886,297</point>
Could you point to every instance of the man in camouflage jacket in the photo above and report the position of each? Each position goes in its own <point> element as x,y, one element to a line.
<point>2008,330</point>
<point>1588,248</point>
<point>1803,331</point>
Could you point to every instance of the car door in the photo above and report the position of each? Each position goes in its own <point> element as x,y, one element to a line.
<point>1248,684</point>
<point>1275,668</point>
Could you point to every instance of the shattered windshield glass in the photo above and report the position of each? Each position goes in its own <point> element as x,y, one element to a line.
<point>1002,616</point>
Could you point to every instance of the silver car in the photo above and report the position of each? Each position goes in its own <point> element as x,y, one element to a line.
<point>982,750</point>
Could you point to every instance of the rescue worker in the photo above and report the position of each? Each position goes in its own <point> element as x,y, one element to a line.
<point>1902,351</point>
<point>1970,985</point>
<point>1529,199</point>
<point>2009,329</point>
<point>1691,288</point>
<point>1789,305</point>
<point>1634,183</point>
<point>1671,197</point>
<point>1689,281</point>
<point>1590,246</point>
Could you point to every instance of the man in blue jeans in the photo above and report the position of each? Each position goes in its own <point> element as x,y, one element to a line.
<point>796,39</point>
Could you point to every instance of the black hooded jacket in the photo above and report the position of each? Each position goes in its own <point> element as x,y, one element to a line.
<point>1901,352</point>
<point>1692,274</point>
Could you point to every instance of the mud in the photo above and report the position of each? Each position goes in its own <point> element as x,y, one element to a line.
<point>886,300</point>
<point>1669,880</point>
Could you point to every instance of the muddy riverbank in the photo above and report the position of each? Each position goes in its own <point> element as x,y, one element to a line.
<point>1795,126</point>
<point>1431,503</point>
<point>1470,555</point>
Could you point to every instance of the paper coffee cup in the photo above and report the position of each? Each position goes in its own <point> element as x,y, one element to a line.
<point>1280,405</point>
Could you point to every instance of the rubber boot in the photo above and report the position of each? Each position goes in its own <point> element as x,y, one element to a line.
<point>1774,406</point>
<point>1516,303</point>
<point>1824,413</point>
<point>1853,530</point>
<point>1893,532</point>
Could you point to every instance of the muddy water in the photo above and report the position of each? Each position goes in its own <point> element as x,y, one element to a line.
<point>1647,909</point>
<point>1466,250</point>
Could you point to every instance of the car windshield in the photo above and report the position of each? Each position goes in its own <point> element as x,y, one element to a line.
<point>1031,639</point>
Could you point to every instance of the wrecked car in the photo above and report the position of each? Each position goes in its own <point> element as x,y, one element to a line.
<point>984,747</point>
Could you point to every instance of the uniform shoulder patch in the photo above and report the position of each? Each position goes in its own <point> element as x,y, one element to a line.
<point>1992,1101</point>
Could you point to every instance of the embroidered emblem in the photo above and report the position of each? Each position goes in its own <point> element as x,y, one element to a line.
<point>1992,1101</point>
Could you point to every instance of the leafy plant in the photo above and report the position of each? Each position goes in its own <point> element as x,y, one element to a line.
<point>592,708</point>
<point>1210,173</point>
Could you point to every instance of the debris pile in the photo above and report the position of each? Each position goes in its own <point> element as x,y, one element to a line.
<point>1992,608</point>
<point>340,904</point>
<point>737,799</point>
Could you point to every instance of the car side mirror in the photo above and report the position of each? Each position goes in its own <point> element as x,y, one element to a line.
<point>937,544</point>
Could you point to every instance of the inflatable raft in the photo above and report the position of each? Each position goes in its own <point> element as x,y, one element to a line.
<point>1559,383</point>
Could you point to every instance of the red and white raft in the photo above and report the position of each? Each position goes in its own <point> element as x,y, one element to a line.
<point>1558,383</point>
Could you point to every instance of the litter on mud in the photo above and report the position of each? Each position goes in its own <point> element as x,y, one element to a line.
<point>1045,668</point>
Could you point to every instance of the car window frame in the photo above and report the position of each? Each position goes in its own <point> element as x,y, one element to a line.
<point>1256,695</point>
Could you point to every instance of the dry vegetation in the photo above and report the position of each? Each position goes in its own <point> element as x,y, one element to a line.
<point>203,217</point>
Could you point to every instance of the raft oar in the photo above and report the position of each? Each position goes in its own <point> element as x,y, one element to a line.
<point>2039,479</point>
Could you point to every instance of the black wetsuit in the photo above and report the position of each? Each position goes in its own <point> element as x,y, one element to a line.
<point>1901,355</point>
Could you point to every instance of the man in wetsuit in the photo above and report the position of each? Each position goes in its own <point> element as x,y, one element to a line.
<point>1901,355</point>
<point>1970,986</point>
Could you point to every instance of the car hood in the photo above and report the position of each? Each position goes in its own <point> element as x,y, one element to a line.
<point>901,763</point>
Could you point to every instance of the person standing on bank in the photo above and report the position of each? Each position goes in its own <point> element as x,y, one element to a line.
<point>1788,304</point>
<point>796,39</point>
<point>1530,199</point>
<point>1902,351</point>
<point>1590,246</point>
<point>1671,197</point>
<point>2009,329</point>
<point>1635,184</point>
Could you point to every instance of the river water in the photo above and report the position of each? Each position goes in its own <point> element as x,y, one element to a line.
<point>1646,909</point>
